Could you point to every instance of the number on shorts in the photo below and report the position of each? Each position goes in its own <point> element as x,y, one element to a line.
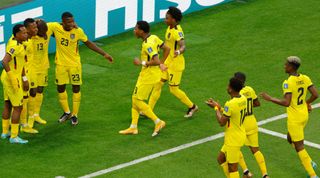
<point>40,46</point>
<point>75,77</point>
<point>171,76</point>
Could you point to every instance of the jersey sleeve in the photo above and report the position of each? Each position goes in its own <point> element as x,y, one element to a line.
<point>308,82</point>
<point>52,26</point>
<point>254,95</point>
<point>179,35</point>
<point>286,87</point>
<point>227,109</point>
<point>82,36</point>
<point>11,50</point>
<point>151,50</point>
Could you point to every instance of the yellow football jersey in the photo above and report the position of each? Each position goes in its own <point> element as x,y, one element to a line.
<point>40,62</point>
<point>67,52</point>
<point>236,109</point>
<point>30,53</point>
<point>298,87</point>
<point>17,51</point>
<point>173,36</point>
<point>150,48</point>
<point>250,122</point>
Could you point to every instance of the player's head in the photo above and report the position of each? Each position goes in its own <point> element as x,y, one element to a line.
<point>31,26</point>
<point>19,32</point>
<point>234,86</point>
<point>42,27</point>
<point>67,21</point>
<point>173,16</point>
<point>240,76</point>
<point>292,64</point>
<point>141,28</point>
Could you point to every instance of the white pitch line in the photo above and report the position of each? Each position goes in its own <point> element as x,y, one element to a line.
<point>179,148</point>
<point>280,135</point>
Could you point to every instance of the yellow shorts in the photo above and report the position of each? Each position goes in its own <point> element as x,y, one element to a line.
<point>15,97</point>
<point>232,153</point>
<point>173,77</point>
<point>32,78</point>
<point>66,74</point>
<point>42,79</point>
<point>296,130</point>
<point>142,91</point>
<point>252,140</point>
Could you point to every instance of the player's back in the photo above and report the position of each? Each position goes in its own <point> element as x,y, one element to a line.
<point>235,108</point>
<point>173,36</point>
<point>298,87</point>
<point>250,122</point>
<point>40,48</point>
<point>150,47</point>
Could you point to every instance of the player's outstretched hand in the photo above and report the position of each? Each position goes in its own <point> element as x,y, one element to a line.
<point>136,61</point>
<point>265,96</point>
<point>109,57</point>
<point>212,103</point>
<point>163,67</point>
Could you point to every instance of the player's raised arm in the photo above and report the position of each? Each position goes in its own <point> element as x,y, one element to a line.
<point>98,50</point>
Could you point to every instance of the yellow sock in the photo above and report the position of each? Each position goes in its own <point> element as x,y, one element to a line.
<point>63,99</point>
<point>306,162</point>
<point>155,95</point>
<point>135,117</point>
<point>181,95</point>
<point>31,104</point>
<point>242,163</point>
<point>261,162</point>
<point>225,169</point>
<point>234,175</point>
<point>5,126</point>
<point>145,108</point>
<point>76,98</point>
<point>31,121</point>
<point>14,130</point>
<point>23,115</point>
<point>38,103</point>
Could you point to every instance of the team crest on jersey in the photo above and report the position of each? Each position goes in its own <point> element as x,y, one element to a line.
<point>150,50</point>
<point>72,36</point>
<point>12,50</point>
<point>285,86</point>
<point>181,34</point>
<point>226,108</point>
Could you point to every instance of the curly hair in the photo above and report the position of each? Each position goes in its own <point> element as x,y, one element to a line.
<point>175,13</point>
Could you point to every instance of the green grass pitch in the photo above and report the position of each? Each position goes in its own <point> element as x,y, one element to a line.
<point>253,37</point>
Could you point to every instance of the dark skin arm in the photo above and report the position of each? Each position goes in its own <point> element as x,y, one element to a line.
<point>25,83</point>
<point>182,48</point>
<point>222,119</point>
<point>98,50</point>
<point>166,52</point>
<point>314,95</point>
<point>282,102</point>
<point>5,62</point>
<point>155,61</point>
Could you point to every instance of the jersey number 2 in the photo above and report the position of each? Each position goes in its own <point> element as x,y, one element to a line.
<point>301,92</point>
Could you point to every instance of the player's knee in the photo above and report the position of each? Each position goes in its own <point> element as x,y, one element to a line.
<point>17,109</point>
<point>40,89</point>
<point>25,97</point>
<point>254,149</point>
<point>233,167</point>
<point>75,88</point>
<point>174,89</point>
<point>61,88</point>
<point>221,158</point>
<point>298,145</point>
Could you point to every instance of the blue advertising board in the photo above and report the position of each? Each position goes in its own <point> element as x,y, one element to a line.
<point>98,18</point>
